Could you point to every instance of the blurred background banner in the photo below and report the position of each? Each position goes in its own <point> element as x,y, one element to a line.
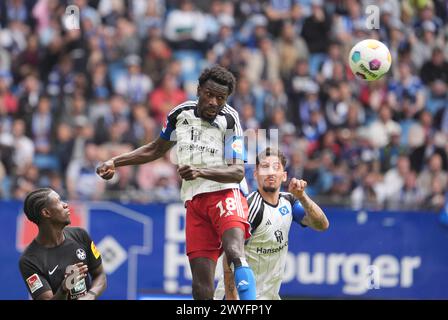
<point>143,250</point>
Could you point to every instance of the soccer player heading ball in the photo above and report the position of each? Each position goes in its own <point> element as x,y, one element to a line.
<point>210,154</point>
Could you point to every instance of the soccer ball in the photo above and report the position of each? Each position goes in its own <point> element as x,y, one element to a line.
<point>369,59</point>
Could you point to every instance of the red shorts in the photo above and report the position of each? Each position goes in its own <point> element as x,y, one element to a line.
<point>208,216</point>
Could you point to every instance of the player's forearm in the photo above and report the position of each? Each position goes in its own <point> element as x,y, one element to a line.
<point>60,295</point>
<point>228,174</point>
<point>144,154</point>
<point>315,217</point>
<point>99,284</point>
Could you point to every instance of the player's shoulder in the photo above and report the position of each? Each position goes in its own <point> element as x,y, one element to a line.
<point>187,105</point>
<point>231,116</point>
<point>288,197</point>
<point>76,233</point>
<point>251,196</point>
<point>31,256</point>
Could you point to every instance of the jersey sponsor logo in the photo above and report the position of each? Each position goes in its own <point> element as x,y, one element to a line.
<point>237,146</point>
<point>95,251</point>
<point>81,254</point>
<point>279,236</point>
<point>52,271</point>
<point>195,147</point>
<point>34,282</point>
<point>284,210</point>
<point>80,289</point>
<point>261,250</point>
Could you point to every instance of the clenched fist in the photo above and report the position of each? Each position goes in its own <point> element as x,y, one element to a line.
<point>188,172</point>
<point>297,187</point>
<point>106,170</point>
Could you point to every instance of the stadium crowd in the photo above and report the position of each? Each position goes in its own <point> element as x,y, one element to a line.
<point>72,98</point>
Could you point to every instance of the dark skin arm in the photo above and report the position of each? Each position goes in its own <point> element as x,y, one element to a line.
<point>62,292</point>
<point>233,173</point>
<point>147,153</point>
<point>99,284</point>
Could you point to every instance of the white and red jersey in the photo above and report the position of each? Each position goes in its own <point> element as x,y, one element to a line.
<point>204,144</point>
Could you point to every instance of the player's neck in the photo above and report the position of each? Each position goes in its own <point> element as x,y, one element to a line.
<point>50,236</point>
<point>270,197</point>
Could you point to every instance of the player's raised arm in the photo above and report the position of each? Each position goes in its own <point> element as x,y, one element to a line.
<point>147,153</point>
<point>314,215</point>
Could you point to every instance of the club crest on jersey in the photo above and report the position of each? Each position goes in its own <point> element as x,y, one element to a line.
<point>81,254</point>
<point>284,210</point>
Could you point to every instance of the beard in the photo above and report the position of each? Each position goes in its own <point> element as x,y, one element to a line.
<point>269,189</point>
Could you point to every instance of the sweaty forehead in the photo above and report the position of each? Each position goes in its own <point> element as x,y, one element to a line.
<point>215,88</point>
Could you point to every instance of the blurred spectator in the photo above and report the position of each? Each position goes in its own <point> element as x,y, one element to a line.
<point>390,153</point>
<point>166,97</point>
<point>291,48</point>
<point>395,176</point>
<point>408,86</point>
<point>435,200</point>
<point>434,170</point>
<point>23,147</point>
<point>185,27</point>
<point>42,126</point>
<point>82,181</point>
<point>156,60</point>
<point>420,155</point>
<point>369,194</point>
<point>263,64</point>
<point>64,146</point>
<point>275,98</point>
<point>435,68</point>
<point>9,101</point>
<point>380,130</point>
<point>316,33</point>
<point>24,184</point>
<point>409,197</point>
<point>134,85</point>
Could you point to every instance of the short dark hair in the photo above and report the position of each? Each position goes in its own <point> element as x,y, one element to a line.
<point>272,152</point>
<point>35,201</point>
<point>219,75</point>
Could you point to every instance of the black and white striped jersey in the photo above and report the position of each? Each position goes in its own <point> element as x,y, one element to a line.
<point>266,250</point>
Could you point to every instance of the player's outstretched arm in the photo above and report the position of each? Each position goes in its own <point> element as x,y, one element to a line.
<point>147,153</point>
<point>229,280</point>
<point>232,173</point>
<point>314,216</point>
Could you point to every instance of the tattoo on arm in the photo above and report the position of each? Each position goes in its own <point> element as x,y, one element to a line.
<point>315,217</point>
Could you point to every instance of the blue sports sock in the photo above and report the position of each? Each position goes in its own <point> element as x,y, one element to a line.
<point>245,283</point>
